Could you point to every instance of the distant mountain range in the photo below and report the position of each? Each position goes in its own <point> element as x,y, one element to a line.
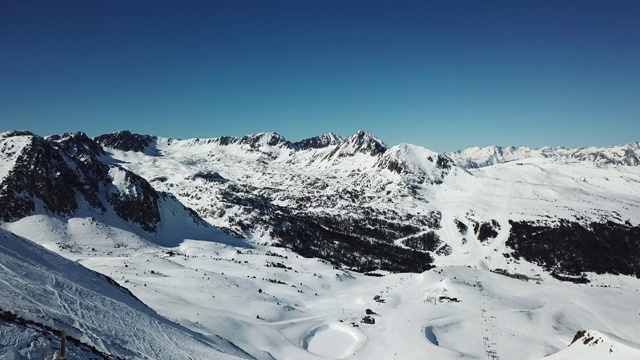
<point>624,155</point>
<point>351,200</point>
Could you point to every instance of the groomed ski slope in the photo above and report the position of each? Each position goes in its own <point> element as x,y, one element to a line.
<point>49,290</point>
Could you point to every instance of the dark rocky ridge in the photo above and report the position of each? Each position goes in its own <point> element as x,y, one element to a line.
<point>317,142</point>
<point>45,172</point>
<point>125,141</point>
<point>270,139</point>
<point>62,170</point>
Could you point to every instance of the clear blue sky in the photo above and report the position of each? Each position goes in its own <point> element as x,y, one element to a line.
<point>442,74</point>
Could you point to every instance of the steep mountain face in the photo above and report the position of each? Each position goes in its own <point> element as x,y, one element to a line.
<point>70,175</point>
<point>624,155</point>
<point>361,142</point>
<point>42,172</point>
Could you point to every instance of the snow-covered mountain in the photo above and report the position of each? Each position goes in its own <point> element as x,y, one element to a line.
<point>623,155</point>
<point>357,202</point>
<point>342,195</point>
<point>70,176</point>
<point>499,236</point>
<point>352,201</point>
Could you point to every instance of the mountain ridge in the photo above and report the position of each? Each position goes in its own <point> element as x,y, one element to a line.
<point>328,224</point>
<point>359,190</point>
<point>347,197</point>
<point>473,157</point>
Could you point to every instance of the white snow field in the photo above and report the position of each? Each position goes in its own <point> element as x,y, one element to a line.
<point>306,309</point>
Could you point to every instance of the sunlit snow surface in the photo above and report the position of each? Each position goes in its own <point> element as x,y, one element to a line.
<point>218,289</point>
<point>52,291</point>
<point>289,307</point>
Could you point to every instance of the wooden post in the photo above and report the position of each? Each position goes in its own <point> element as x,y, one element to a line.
<point>63,345</point>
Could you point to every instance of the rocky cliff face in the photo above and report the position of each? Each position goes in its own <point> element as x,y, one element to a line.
<point>44,175</point>
<point>61,174</point>
<point>318,142</point>
<point>125,141</point>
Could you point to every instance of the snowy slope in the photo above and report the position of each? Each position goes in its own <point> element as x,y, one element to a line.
<point>272,303</point>
<point>55,293</point>
<point>593,344</point>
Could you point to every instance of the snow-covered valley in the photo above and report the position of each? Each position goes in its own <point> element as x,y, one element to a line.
<point>490,295</point>
<point>272,303</point>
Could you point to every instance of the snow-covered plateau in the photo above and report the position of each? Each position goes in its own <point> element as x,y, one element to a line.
<point>141,247</point>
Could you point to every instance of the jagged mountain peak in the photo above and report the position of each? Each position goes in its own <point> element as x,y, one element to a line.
<point>269,139</point>
<point>366,135</point>
<point>363,142</point>
<point>318,142</point>
<point>77,143</point>
<point>12,133</point>
<point>334,138</point>
<point>125,141</point>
